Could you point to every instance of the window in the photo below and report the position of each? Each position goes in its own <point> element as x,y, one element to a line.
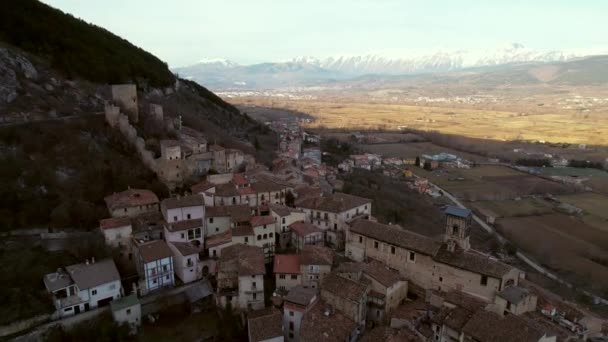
<point>392,249</point>
<point>67,309</point>
<point>290,313</point>
<point>360,239</point>
<point>254,296</point>
<point>247,239</point>
<point>290,325</point>
<point>281,276</point>
<point>165,268</point>
<point>283,220</point>
<point>335,226</point>
<point>211,220</point>
<point>128,311</point>
<point>376,244</point>
<point>484,280</point>
<point>264,226</point>
<point>412,256</point>
<point>259,237</point>
<point>270,235</point>
<point>455,229</point>
<point>189,216</point>
<point>93,292</point>
<point>183,236</point>
<point>217,229</point>
<point>174,218</point>
<point>253,284</point>
<point>440,279</point>
<point>508,305</point>
<point>167,277</point>
<point>214,252</point>
<point>290,335</point>
<point>366,207</point>
<point>294,276</point>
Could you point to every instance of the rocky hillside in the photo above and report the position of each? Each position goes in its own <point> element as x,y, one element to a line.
<point>59,156</point>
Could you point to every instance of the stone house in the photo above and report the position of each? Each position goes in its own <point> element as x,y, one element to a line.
<point>332,213</point>
<point>176,209</point>
<point>186,261</point>
<point>218,220</point>
<point>304,233</point>
<point>323,323</point>
<point>347,296</point>
<point>295,305</point>
<point>265,325</point>
<point>190,231</point>
<point>243,235</point>
<point>219,158</point>
<point>240,277</point>
<point>116,231</point>
<point>285,216</point>
<point>131,202</point>
<point>216,243</point>
<point>286,269</point>
<point>154,263</point>
<point>388,289</point>
<point>170,150</point>
<point>450,265</point>
<point>83,287</point>
<point>127,310</point>
<point>264,228</point>
<point>515,300</point>
<point>315,264</point>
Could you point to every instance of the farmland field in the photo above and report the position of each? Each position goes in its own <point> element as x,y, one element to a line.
<point>411,150</point>
<point>595,208</point>
<point>512,208</point>
<point>564,243</point>
<point>491,183</point>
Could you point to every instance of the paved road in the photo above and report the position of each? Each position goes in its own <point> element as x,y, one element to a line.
<point>519,254</point>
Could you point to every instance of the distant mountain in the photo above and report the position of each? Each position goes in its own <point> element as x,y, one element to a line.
<point>302,71</point>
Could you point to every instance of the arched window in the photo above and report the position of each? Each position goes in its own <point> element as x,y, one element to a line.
<point>259,237</point>
<point>265,236</point>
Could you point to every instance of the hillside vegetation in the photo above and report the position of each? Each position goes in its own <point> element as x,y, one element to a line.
<point>76,48</point>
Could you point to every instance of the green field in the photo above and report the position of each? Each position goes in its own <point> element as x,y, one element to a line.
<point>512,208</point>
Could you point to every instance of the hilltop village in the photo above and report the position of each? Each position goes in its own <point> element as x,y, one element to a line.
<point>292,256</point>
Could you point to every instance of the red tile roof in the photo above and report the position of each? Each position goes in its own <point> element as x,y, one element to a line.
<point>303,228</point>
<point>239,179</point>
<point>261,220</point>
<point>130,198</point>
<point>219,239</point>
<point>114,222</point>
<point>201,187</point>
<point>154,250</point>
<point>286,264</point>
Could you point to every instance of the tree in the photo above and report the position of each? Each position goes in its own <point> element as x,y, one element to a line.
<point>417,161</point>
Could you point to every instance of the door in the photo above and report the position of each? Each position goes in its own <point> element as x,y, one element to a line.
<point>77,309</point>
<point>86,306</point>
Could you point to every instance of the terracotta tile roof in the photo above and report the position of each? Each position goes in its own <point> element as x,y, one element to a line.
<point>472,261</point>
<point>467,301</point>
<point>265,325</point>
<point>335,203</point>
<point>301,295</point>
<point>382,273</point>
<point>411,310</point>
<point>184,225</point>
<point>219,211</point>
<point>219,239</point>
<point>239,179</point>
<point>316,255</point>
<point>186,248</point>
<point>240,213</point>
<point>146,221</point>
<point>286,264</point>
<point>154,250</point>
<point>226,190</point>
<point>201,187</point>
<point>262,220</point>
<point>343,288</point>
<point>514,294</point>
<point>316,326</point>
<point>242,231</point>
<point>386,334</point>
<point>182,202</point>
<point>283,210</point>
<point>304,228</point>
<point>306,191</point>
<point>114,222</point>
<point>93,274</point>
<point>266,186</point>
<point>455,318</point>
<point>395,235</point>
<point>249,260</point>
<point>485,326</point>
<point>130,198</point>
<point>245,191</point>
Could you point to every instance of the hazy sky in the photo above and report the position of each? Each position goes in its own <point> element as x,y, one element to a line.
<point>182,32</point>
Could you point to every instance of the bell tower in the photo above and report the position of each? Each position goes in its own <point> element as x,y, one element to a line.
<point>457,228</point>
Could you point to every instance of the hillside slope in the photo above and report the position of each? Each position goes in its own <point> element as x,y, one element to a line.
<point>59,156</point>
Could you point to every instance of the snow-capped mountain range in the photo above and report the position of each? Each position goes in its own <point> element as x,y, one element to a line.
<point>311,70</point>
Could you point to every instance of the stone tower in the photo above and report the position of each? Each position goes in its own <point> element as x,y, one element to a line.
<point>457,227</point>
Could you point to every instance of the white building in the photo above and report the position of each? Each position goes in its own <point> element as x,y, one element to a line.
<point>154,263</point>
<point>297,302</point>
<point>240,278</point>
<point>131,202</point>
<point>186,261</point>
<point>183,208</point>
<point>83,287</point>
<point>127,310</point>
<point>185,231</point>
<point>116,231</point>
<point>332,213</point>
